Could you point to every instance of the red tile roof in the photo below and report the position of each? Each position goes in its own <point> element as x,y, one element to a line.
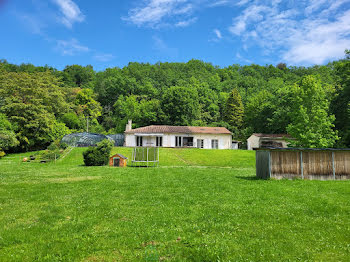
<point>179,129</point>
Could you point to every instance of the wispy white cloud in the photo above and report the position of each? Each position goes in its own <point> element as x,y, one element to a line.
<point>242,2</point>
<point>186,22</point>
<point>253,13</point>
<point>70,12</point>
<point>218,33</point>
<point>314,6</point>
<point>220,2</point>
<point>70,47</point>
<point>320,41</point>
<point>104,57</point>
<point>152,13</point>
<point>312,33</point>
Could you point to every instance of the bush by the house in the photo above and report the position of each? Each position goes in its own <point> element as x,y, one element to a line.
<point>2,153</point>
<point>99,155</point>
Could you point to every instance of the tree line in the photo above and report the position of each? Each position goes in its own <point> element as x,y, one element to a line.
<point>40,104</point>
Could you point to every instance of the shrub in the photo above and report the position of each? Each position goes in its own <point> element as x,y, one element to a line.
<point>63,146</point>
<point>49,155</point>
<point>53,147</point>
<point>99,155</point>
<point>2,153</point>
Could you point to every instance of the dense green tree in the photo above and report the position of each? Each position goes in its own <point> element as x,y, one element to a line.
<point>141,110</point>
<point>180,105</point>
<point>7,135</point>
<point>87,106</point>
<point>58,131</point>
<point>341,102</point>
<point>234,110</point>
<point>258,110</point>
<point>311,124</point>
<point>30,102</point>
<point>71,120</point>
<point>79,76</point>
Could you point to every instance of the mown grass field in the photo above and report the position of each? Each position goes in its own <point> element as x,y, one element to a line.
<point>199,205</point>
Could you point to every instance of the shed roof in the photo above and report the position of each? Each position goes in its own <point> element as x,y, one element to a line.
<point>271,135</point>
<point>179,129</point>
<point>120,155</point>
<point>300,149</point>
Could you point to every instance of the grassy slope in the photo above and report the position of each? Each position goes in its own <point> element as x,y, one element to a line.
<point>183,157</point>
<point>65,211</point>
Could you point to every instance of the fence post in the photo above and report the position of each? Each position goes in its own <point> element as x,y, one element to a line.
<point>333,167</point>
<point>269,164</point>
<point>147,156</point>
<point>301,165</point>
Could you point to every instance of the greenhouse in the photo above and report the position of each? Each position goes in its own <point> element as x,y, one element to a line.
<point>84,139</point>
<point>118,139</point>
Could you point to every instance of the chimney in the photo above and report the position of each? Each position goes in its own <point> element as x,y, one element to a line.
<point>128,125</point>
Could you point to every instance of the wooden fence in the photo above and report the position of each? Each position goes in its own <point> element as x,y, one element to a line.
<point>313,164</point>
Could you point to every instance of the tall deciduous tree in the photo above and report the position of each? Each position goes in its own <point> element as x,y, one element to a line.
<point>180,105</point>
<point>30,103</point>
<point>80,76</point>
<point>87,105</point>
<point>311,124</point>
<point>141,110</point>
<point>341,103</point>
<point>7,136</point>
<point>234,110</point>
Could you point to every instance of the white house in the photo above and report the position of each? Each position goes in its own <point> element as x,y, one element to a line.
<point>178,136</point>
<point>258,140</point>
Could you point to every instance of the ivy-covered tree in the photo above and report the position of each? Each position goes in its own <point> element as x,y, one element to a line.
<point>234,110</point>
<point>311,123</point>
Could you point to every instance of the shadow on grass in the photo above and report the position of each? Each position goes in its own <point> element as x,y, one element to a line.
<point>249,178</point>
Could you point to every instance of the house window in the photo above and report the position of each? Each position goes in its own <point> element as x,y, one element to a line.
<point>187,141</point>
<point>214,144</point>
<point>200,143</point>
<point>178,141</point>
<point>159,141</point>
<point>139,141</point>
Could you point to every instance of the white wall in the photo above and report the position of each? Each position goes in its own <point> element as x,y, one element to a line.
<point>130,140</point>
<point>252,142</point>
<point>224,140</point>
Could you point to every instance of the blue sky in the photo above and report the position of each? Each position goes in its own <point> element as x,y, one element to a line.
<point>110,33</point>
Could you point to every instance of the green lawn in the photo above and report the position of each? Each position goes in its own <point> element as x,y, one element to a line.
<point>199,205</point>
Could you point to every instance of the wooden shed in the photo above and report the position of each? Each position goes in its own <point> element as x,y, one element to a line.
<point>118,160</point>
<point>303,163</point>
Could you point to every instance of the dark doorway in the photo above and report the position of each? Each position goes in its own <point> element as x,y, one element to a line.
<point>116,161</point>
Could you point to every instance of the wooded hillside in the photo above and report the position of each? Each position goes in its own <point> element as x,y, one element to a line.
<point>41,104</point>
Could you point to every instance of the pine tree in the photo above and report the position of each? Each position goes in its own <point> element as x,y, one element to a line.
<point>234,110</point>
